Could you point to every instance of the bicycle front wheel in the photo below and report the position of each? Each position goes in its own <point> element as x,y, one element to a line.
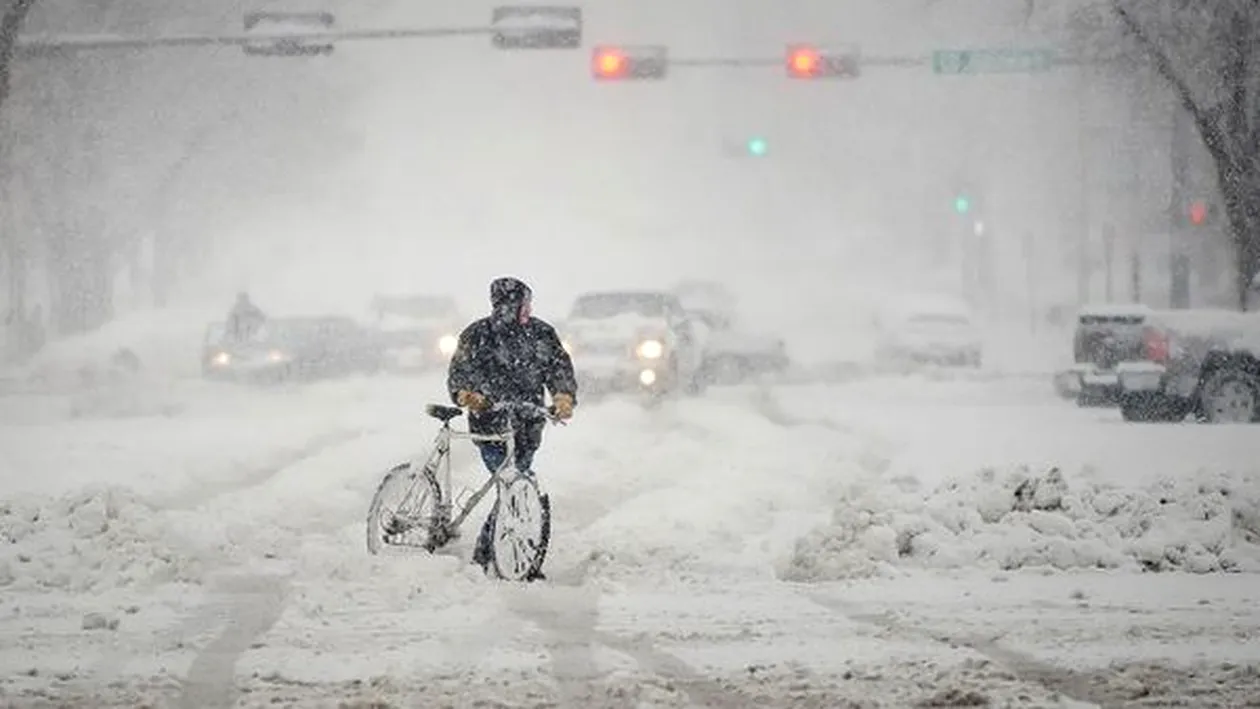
<point>402,510</point>
<point>521,530</point>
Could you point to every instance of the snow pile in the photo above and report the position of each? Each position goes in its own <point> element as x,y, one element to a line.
<point>1203,523</point>
<point>164,342</point>
<point>88,542</point>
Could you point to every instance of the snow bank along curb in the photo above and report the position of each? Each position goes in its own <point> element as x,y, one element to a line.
<point>1202,523</point>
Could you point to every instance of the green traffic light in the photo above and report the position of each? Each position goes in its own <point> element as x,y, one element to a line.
<point>962,205</point>
<point>757,146</point>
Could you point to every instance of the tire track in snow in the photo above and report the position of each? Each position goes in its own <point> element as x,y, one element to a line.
<point>1069,683</point>
<point>566,609</point>
<point>201,495</point>
<point>569,614</point>
<point>254,604</point>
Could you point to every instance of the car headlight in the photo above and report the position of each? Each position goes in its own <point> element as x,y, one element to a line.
<point>651,349</point>
<point>447,344</point>
<point>222,359</point>
<point>277,356</point>
<point>647,377</point>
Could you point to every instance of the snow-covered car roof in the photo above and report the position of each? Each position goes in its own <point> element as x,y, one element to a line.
<point>613,303</point>
<point>1109,310</point>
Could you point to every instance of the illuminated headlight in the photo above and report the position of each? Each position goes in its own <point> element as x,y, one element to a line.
<point>447,344</point>
<point>651,349</point>
<point>647,377</point>
<point>222,359</point>
<point>277,356</point>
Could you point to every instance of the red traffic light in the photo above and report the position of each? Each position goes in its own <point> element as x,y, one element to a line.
<point>1198,212</point>
<point>804,61</point>
<point>630,63</point>
<point>609,63</point>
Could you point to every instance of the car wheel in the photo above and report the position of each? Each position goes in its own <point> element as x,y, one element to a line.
<point>1230,395</point>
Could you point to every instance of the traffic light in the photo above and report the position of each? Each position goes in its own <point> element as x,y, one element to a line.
<point>619,63</point>
<point>809,62</point>
<point>962,204</point>
<point>272,44</point>
<point>757,147</point>
<point>536,27</point>
<point>1198,212</point>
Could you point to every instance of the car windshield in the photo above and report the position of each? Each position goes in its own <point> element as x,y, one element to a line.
<point>298,331</point>
<point>608,305</point>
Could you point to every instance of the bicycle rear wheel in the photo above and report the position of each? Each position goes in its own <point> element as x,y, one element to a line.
<point>521,531</point>
<point>402,510</point>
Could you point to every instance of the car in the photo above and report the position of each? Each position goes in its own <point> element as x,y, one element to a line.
<point>933,331</point>
<point>730,353</point>
<point>289,348</point>
<point>416,332</point>
<point>1200,362</point>
<point>633,341</point>
<point>1105,336</point>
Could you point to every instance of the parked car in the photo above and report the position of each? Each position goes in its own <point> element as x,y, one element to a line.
<point>1105,336</point>
<point>1194,362</point>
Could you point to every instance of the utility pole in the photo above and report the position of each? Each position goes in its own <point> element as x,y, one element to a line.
<point>1083,274</point>
<point>1109,255</point>
<point>1030,276</point>
<point>1178,258</point>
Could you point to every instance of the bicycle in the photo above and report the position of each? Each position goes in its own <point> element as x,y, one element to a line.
<point>516,536</point>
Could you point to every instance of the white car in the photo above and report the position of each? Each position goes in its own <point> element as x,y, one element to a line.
<point>632,340</point>
<point>932,333</point>
<point>416,332</point>
<point>730,352</point>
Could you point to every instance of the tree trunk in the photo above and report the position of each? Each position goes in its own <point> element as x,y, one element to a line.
<point>1240,189</point>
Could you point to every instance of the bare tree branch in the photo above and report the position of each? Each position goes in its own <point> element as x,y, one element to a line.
<point>1216,141</point>
<point>10,25</point>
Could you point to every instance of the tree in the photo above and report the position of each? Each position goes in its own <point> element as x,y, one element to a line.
<point>12,15</point>
<point>1208,54</point>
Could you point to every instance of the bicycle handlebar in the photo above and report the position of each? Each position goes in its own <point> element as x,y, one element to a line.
<point>526,408</point>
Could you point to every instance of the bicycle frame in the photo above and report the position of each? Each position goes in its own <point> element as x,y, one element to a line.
<point>441,458</point>
<point>443,521</point>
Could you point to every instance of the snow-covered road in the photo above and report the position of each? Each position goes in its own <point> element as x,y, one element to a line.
<point>874,543</point>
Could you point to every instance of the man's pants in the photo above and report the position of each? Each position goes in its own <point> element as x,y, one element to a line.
<point>493,455</point>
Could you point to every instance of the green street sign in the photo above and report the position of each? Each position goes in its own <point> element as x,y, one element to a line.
<point>992,61</point>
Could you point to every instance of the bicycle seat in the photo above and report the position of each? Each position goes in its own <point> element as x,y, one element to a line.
<point>443,413</point>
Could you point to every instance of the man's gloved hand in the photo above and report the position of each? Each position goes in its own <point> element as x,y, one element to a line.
<point>472,401</point>
<point>563,404</point>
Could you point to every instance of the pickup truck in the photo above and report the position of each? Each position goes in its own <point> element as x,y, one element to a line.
<point>1105,336</point>
<point>1194,362</point>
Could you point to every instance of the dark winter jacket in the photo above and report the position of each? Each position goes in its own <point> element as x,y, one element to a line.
<point>507,361</point>
<point>244,320</point>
